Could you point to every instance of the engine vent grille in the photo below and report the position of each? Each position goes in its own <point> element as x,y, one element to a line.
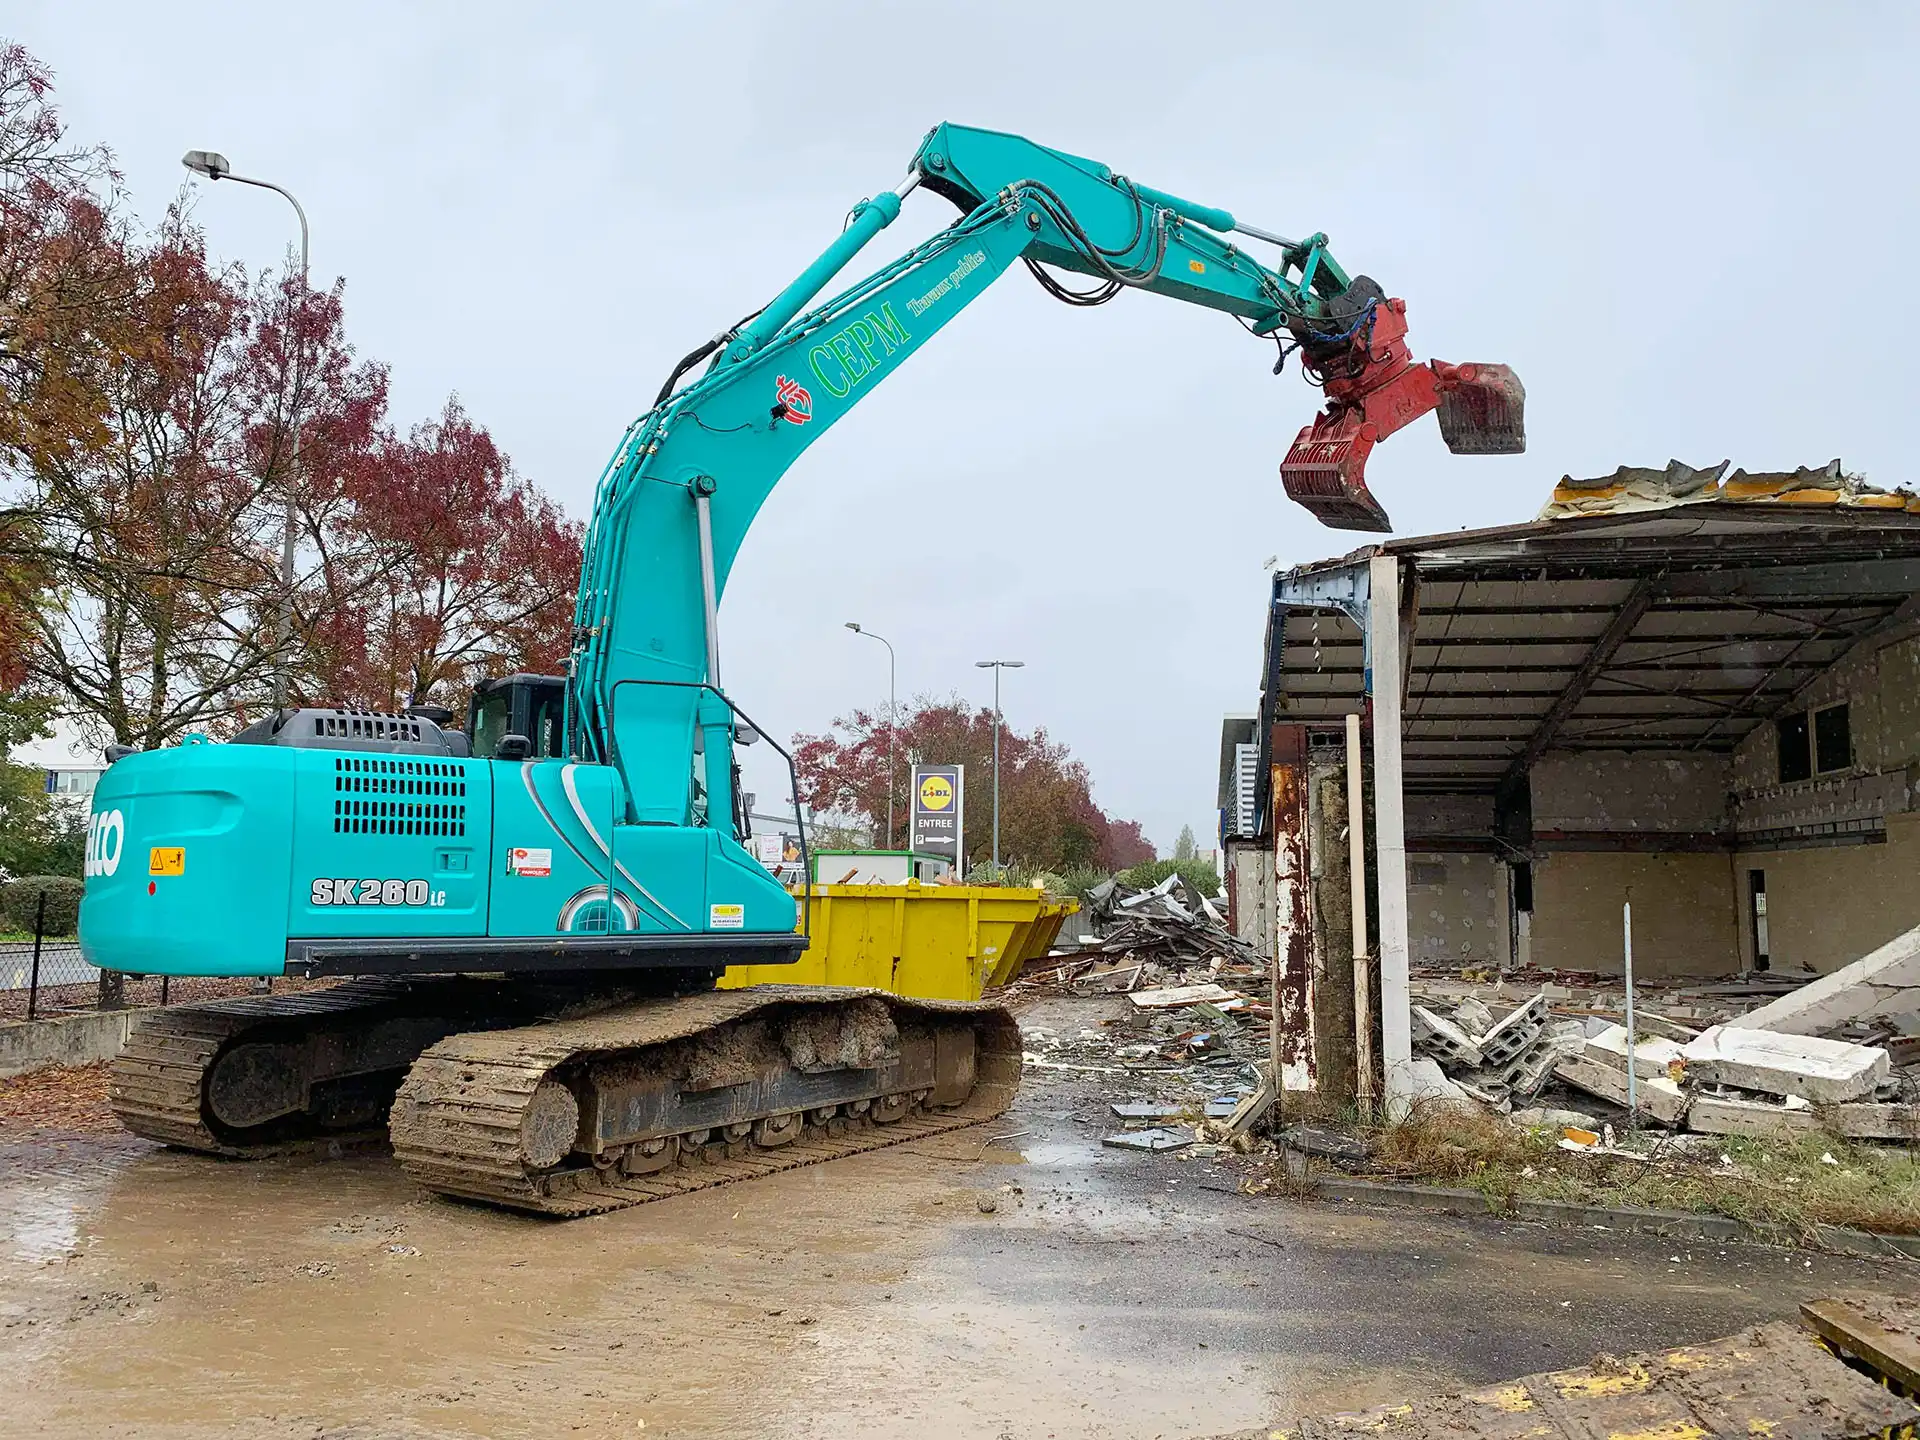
<point>365,725</point>
<point>415,797</point>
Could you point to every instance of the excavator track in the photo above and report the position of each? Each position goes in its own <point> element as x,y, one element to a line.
<point>581,1116</point>
<point>266,1074</point>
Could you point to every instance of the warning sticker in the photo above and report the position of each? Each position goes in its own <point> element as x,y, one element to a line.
<point>726,917</point>
<point>530,862</point>
<point>167,860</point>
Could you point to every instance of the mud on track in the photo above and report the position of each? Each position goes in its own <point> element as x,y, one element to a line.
<point>149,1293</point>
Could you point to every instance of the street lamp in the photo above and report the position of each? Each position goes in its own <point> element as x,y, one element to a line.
<point>212,165</point>
<point>997,666</point>
<point>854,626</point>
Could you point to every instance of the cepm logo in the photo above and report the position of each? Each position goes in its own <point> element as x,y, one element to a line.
<point>796,401</point>
<point>106,838</point>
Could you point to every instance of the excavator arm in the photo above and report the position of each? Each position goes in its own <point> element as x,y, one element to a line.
<point>675,502</point>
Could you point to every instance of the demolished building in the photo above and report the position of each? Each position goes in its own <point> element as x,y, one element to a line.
<point>1694,692</point>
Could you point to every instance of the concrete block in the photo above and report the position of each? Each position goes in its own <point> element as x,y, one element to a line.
<point>1651,1054</point>
<point>1515,1034</point>
<point>1440,1036</point>
<point>28,1045</point>
<point>1826,1072</point>
<point>1661,1099</point>
<point>1887,979</point>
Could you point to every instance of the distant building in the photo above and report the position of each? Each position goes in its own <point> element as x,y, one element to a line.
<point>75,782</point>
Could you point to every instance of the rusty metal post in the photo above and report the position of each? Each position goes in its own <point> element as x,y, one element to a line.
<point>33,983</point>
<point>1290,1048</point>
<point>1357,891</point>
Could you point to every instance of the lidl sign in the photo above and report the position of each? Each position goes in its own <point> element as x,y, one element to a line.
<point>939,812</point>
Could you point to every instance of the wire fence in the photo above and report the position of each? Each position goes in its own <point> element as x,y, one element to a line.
<point>49,976</point>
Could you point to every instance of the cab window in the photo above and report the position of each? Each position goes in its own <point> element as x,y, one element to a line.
<point>492,722</point>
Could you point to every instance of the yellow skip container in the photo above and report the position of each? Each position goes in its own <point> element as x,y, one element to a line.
<point>930,942</point>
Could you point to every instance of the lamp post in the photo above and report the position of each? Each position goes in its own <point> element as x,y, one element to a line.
<point>997,666</point>
<point>855,627</point>
<point>213,166</point>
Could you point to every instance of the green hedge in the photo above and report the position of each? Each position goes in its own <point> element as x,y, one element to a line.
<point>19,901</point>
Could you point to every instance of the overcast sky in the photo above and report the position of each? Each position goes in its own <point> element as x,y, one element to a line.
<point>1687,226</point>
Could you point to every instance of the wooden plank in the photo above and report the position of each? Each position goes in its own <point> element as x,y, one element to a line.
<point>1854,1326</point>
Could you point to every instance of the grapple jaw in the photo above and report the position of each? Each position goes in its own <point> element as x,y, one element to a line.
<point>1373,389</point>
<point>1326,470</point>
<point>1482,409</point>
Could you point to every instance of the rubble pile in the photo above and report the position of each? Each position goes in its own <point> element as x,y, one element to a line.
<point>1731,1078</point>
<point>1494,1060</point>
<point>1171,935</point>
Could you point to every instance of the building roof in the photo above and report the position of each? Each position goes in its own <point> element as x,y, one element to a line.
<point>1677,627</point>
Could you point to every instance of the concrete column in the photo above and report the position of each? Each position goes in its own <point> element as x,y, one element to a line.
<point>1384,680</point>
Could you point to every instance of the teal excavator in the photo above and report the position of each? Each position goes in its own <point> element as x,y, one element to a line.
<point>533,911</point>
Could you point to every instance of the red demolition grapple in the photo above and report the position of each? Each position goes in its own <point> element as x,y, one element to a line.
<point>1373,389</point>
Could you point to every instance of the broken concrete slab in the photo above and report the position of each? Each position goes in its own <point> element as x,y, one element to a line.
<point>1651,1053</point>
<point>1886,979</point>
<point>1428,1084</point>
<point>1738,1115</point>
<point>1327,1144</point>
<point>1144,1110</point>
<point>1659,1098</point>
<point>1859,1120</point>
<point>1151,1141</point>
<point>1826,1072</point>
<point>1473,1016</point>
<point>1177,996</point>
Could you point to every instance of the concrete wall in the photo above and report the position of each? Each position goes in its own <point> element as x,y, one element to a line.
<point>1882,688</point>
<point>1457,910</point>
<point>63,1040</point>
<point>1432,817</point>
<point>1628,791</point>
<point>1685,921</point>
<point>1827,906</point>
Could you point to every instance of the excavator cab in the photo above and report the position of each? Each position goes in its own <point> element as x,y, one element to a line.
<point>519,717</point>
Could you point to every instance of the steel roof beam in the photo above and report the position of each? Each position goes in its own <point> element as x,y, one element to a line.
<point>1639,600</point>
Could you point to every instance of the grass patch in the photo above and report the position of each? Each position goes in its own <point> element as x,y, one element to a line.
<point>1781,1186</point>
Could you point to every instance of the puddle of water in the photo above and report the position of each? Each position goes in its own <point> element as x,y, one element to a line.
<point>36,1238</point>
<point>1062,1154</point>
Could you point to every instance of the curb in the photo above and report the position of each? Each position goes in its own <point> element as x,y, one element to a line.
<point>1678,1224</point>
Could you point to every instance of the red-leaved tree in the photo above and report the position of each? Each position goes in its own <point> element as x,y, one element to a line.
<point>474,572</point>
<point>1048,818</point>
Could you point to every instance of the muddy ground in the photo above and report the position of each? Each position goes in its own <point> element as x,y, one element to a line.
<point>149,1293</point>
